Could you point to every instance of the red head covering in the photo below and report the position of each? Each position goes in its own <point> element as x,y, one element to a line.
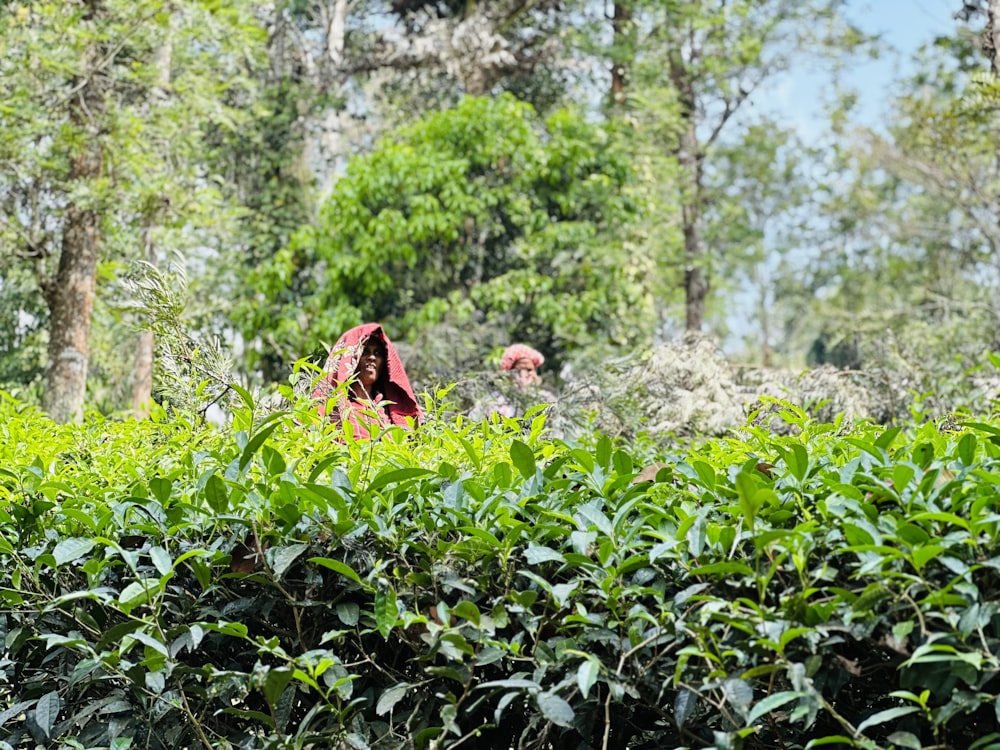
<point>516,352</point>
<point>340,367</point>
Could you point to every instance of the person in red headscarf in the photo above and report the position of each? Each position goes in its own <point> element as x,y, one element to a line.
<point>378,390</point>
<point>522,362</point>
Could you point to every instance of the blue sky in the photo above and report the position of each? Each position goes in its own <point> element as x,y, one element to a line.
<point>904,25</point>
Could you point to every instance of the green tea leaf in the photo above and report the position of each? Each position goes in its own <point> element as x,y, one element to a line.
<point>391,697</point>
<point>770,703</point>
<point>468,611</point>
<point>161,488</point>
<point>513,683</point>
<point>537,554</point>
<point>706,473</point>
<point>739,693</point>
<point>138,592</point>
<point>255,443</point>
<point>216,494</point>
<point>337,566</point>
<point>884,440</point>
<point>72,549</point>
<point>386,612</point>
<point>905,739</point>
<point>147,640</point>
<point>602,452</point>
<point>161,559</point>
<point>798,461</point>
<point>923,555</point>
<point>746,489</point>
<point>555,709</point>
<point>967,449</point>
<point>684,705</point>
<point>348,613</point>
<point>47,711</point>
<point>283,557</point>
<point>586,675</point>
<point>523,459</point>
<point>888,715</point>
<point>397,475</point>
<point>723,569</point>
<point>590,515</point>
<point>16,710</point>
<point>622,462</point>
<point>275,683</point>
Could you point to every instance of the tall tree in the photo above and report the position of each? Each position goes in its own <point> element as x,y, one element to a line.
<point>761,192</point>
<point>480,212</point>
<point>339,75</point>
<point>622,51</point>
<point>909,264</point>
<point>70,296</point>
<point>87,141</point>
<point>715,55</point>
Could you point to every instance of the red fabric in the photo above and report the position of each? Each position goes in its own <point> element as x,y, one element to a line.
<point>516,352</point>
<point>396,389</point>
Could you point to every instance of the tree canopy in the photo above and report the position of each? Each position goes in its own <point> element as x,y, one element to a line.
<point>480,212</point>
<point>590,179</point>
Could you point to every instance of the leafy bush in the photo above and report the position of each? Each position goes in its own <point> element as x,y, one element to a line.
<point>280,585</point>
<point>477,220</point>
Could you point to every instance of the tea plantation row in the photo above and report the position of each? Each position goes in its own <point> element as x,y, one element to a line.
<point>277,585</point>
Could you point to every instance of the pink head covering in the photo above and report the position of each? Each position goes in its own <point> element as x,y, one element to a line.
<point>516,352</point>
<point>340,367</point>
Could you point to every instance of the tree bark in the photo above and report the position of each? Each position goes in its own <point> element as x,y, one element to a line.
<point>621,24</point>
<point>72,304</point>
<point>336,33</point>
<point>992,41</point>
<point>71,298</point>
<point>689,156</point>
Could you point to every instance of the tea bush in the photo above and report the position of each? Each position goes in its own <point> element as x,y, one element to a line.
<point>280,585</point>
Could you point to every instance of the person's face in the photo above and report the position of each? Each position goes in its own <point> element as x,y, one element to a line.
<point>524,373</point>
<point>371,363</point>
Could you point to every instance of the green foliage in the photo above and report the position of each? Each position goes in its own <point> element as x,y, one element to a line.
<point>280,585</point>
<point>477,211</point>
<point>22,340</point>
<point>274,192</point>
<point>904,262</point>
<point>695,66</point>
<point>162,70</point>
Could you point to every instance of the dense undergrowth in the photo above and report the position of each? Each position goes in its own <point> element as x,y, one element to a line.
<point>166,585</point>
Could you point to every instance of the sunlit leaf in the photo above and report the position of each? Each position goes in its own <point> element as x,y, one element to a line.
<point>71,549</point>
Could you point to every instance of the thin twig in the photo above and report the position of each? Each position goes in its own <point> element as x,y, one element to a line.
<point>638,647</point>
<point>607,722</point>
<point>471,733</point>
<point>192,718</point>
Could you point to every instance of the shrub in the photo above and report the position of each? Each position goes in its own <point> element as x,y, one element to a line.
<point>280,585</point>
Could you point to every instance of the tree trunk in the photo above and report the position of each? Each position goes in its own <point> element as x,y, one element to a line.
<point>764,312</point>
<point>336,33</point>
<point>689,156</point>
<point>71,298</point>
<point>622,27</point>
<point>72,303</point>
<point>142,374</point>
<point>992,41</point>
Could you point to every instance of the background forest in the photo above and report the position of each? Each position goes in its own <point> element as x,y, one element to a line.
<point>248,179</point>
